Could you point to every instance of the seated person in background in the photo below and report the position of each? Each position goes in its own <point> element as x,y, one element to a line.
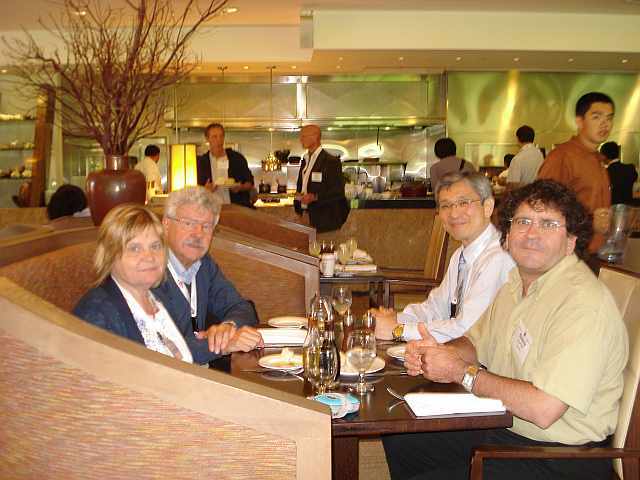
<point>502,178</point>
<point>476,270</point>
<point>553,344</point>
<point>195,284</point>
<point>621,175</point>
<point>445,149</point>
<point>68,208</point>
<point>130,259</point>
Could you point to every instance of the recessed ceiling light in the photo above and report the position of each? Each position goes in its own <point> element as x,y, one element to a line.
<point>80,13</point>
<point>229,10</point>
<point>401,59</point>
<point>4,70</point>
<point>387,128</point>
<point>245,67</point>
<point>516,59</point>
<point>458,59</point>
<point>338,67</point>
<point>625,60</point>
<point>293,67</point>
<point>340,59</point>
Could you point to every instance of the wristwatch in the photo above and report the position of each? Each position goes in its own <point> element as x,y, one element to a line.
<point>397,332</point>
<point>470,375</point>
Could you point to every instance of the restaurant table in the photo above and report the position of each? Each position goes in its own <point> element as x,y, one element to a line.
<point>373,280</point>
<point>379,413</point>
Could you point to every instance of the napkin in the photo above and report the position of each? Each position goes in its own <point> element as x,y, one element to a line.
<point>428,404</point>
<point>282,336</point>
<point>360,256</point>
<point>369,267</point>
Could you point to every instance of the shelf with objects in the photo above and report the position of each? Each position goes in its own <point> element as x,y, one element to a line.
<point>17,134</point>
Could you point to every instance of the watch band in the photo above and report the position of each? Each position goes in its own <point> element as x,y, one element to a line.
<point>470,375</point>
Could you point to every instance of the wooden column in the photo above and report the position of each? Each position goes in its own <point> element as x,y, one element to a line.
<point>42,149</point>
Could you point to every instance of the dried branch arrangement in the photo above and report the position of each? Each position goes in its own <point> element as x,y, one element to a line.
<point>112,66</point>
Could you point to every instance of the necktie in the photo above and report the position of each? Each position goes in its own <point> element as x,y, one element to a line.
<point>462,273</point>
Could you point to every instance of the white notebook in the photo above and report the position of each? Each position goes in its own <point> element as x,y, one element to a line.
<point>428,404</point>
<point>283,336</point>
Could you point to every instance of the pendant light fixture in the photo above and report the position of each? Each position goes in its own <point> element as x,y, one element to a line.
<point>271,162</point>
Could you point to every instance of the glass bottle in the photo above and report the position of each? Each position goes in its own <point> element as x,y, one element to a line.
<point>310,352</point>
<point>329,352</point>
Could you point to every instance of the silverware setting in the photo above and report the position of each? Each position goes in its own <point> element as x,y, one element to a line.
<point>395,394</point>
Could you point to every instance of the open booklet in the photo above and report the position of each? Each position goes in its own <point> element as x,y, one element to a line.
<point>428,404</point>
<point>282,336</point>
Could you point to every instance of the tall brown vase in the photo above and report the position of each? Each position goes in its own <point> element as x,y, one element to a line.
<point>114,185</point>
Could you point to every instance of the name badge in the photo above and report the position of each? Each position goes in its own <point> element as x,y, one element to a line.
<point>521,342</point>
<point>316,176</point>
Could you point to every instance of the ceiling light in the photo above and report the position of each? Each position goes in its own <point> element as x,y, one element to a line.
<point>340,59</point>
<point>293,67</point>
<point>401,59</point>
<point>570,60</point>
<point>625,60</point>
<point>4,70</point>
<point>245,67</point>
<point>516,59</point>
<point>229,10</point>
<point>338,67</point>
<point>80,13</point>
<point>387,128</point>
<point>458,59</point>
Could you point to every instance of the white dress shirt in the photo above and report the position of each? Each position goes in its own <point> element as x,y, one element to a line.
<point>524,166</point>
<point>488,265</point>
<point>151,173</point>
<point>220,173</point>
<point>306,173</point>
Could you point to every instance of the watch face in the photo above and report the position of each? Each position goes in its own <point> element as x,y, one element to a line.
<point>397,331</point>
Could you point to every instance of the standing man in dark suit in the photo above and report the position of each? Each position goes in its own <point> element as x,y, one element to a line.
<point>320,189</point>
<point>621,175</point>
<point>224,172</point>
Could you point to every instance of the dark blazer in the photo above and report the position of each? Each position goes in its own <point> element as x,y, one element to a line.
<point>106,307</point>
<point>622,177</point>
<point>331,209</point>
<point>218,300</point>
<point>238,170</point>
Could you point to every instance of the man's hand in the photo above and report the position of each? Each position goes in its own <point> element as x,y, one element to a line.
<point>386,320</point>
<point>218,336</point>
<point>308,198</point>
<point>416,348</point>
<point>601,220</point>
<point>212,187</point>
<point>245,340</point>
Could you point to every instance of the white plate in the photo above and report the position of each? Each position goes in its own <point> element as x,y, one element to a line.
<point>276,362</point>
<point>397,352</point>
<point>287,322</point>
<point>348,371</point>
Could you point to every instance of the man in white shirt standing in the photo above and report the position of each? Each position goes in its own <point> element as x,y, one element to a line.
<point>149,168</point>
<point>524,166</point>
<point>476,270</point>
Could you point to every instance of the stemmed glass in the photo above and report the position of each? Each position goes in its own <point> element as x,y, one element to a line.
<point>342,299</point>
<point>344,254</point>
<point>361,352</point>
<point>314,248</point>
<point>352,245</point>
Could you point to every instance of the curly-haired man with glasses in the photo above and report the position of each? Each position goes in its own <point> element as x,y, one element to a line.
<point>552,346</point>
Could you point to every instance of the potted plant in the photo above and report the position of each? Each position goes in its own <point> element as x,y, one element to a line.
<point>110,68</point>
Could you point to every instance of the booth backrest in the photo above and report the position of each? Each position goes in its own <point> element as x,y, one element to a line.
<point>81,403</point>
<point>32,216</point>
<point>268,227</point>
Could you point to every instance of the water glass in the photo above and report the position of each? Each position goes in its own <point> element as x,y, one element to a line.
<point>361,352</point>
<point>352,245</point>
<point>314,248</point>
<point>342,299</point>
<point>344,254</point>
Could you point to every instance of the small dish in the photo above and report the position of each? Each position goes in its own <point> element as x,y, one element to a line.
<point>348,371</point>
<point>287,322</point>
<point>397,352</point>
<point>279,361</point>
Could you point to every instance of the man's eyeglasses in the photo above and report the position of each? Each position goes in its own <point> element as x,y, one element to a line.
<point>192,224</point>
<point>523,224</point>
<point>463,204</point>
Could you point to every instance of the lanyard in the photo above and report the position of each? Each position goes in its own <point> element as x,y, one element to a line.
<point>193,298</point>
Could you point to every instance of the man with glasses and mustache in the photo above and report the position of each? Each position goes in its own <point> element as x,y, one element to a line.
<point>552,346</point>
<point>476,270</point>
<point>195,282</point>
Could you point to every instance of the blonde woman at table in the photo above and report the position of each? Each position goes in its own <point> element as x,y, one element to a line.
<point>130,259</point>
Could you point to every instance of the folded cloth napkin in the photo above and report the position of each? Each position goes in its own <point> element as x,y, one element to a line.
<point>360,256</point>
<point>427,404</point>
<point>370,267</point>
<point>282,336</point>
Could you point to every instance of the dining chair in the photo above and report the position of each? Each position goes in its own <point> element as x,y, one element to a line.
<point>625,447</point>
<point>419,283</point>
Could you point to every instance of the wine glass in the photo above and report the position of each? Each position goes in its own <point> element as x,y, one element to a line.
<point>322,365</point>
<point>361,352</point>
<point>352,244</point>
<point>344,254</point>
<point>342,299</point>
<point>314,248</point>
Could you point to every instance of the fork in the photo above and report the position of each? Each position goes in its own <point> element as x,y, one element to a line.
<point>395,394</point>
